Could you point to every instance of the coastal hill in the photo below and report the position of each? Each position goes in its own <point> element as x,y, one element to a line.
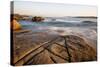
<point>27,17</point>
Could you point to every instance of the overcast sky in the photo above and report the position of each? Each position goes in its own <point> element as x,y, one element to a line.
<point>53,9</point>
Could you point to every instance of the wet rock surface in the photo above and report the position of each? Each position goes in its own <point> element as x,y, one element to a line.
<point>54,51</point>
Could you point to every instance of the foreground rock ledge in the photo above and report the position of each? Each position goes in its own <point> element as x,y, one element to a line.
<point>55,52</point>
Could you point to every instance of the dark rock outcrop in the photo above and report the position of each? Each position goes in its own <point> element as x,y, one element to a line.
<point>37,19</point>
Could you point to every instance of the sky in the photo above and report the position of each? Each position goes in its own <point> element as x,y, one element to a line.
<point>53,9</point>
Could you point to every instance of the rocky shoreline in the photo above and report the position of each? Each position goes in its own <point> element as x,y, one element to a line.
<point>79,49</point>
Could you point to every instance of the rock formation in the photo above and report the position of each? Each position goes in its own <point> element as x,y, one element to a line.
<point>37,19</point>
<point>48,49</point>
<point>15,25</point>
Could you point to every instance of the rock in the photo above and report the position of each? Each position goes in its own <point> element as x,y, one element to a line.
<point>37,19</point>
<point>88,22</point>
<point>15,25</point>
<point>56,52</point>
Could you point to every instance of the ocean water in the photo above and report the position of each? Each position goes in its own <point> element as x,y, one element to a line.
<point>84,27</point>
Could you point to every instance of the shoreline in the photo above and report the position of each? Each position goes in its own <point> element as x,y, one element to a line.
<point>26,41</point>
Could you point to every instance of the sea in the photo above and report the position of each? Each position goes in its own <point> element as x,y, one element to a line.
<point>80,26</point>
